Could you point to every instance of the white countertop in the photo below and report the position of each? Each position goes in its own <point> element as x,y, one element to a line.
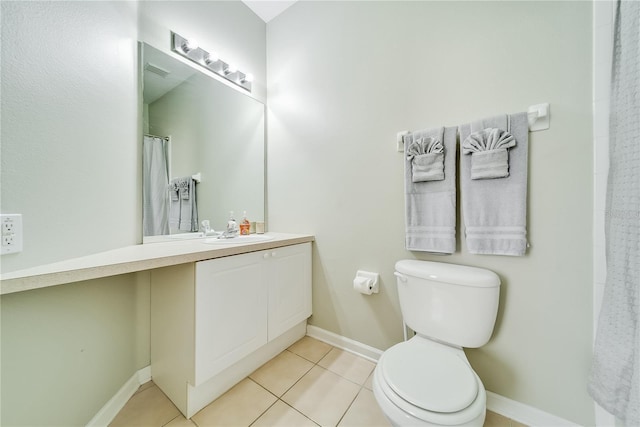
<point>134,258</point>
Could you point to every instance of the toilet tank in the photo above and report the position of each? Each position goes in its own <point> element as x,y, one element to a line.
<point>451,303</point>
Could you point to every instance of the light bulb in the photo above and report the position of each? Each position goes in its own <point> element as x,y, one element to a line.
<point>211,58</point>
<point>189,45</point>
<point>248,77</point>
<point>230,69</point>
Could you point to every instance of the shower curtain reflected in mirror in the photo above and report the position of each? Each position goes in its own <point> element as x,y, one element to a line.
<point>155,184</point>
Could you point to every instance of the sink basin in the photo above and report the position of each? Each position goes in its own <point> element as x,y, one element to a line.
<point>252,238</point>
<point>186,236</point>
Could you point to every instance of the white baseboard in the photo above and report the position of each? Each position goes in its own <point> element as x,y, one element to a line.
<point>117,402</point>
<point>344,343</point>
<point>144,375</point>
<point>517,411</point>
<point>523,413</point>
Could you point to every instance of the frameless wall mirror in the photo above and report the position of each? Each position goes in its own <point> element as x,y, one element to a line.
<point>202,137</point>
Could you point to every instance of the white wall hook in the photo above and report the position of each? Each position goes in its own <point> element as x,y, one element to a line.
<point>538,116</point>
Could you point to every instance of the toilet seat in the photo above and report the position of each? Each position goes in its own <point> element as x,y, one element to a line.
<point>403,369</point>
<point>409,367</point>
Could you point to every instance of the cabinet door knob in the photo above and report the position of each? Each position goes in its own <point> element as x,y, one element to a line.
<point>273,254</point>
<point>265,256</point>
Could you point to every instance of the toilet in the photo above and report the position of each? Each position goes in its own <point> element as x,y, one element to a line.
<point>427,380</point>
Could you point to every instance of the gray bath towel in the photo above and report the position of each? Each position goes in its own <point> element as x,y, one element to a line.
<point>183,210</point>
<point>430,206</point>
<point>188,209</point>
<point>174,204</point>
<point>495,210</point>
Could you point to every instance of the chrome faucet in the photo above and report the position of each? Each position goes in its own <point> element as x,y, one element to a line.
<point>228,234</point>
<point>232,229</point>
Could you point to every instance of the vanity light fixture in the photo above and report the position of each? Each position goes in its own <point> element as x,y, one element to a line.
<point>189,48</point>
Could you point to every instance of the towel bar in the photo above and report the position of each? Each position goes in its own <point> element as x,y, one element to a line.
<point>538,116</point>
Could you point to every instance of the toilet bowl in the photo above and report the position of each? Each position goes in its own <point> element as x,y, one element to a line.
<point>423,383</point>
<point>427,380</point>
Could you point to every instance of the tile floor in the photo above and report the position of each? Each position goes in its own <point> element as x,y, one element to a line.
<point>309,384</point>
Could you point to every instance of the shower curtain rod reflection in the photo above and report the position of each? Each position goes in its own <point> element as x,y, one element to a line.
<point>166,138</point>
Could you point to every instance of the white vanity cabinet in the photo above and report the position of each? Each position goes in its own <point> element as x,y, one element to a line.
<point>230,312</point>
<point>286,269</point>
<point>213,322</point>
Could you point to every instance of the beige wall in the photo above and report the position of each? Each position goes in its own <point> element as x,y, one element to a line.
<point>71,164</point>
<point>344,77</point>
<point>69,126</point>
<point>67,350</point>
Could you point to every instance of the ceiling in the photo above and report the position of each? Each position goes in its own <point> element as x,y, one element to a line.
<point>268,9</point>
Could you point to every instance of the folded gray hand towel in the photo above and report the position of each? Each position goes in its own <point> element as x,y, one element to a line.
<point>430,206</point>
<point>488,149</point>
<point>495,210</point>
<point>427,159</point>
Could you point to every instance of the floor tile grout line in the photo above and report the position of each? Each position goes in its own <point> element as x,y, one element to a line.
<point>304,415</point>
<point>309,360</point>
<point>179,415</point>
<point>350,405</point>
<point>279,398</point>
<point>263,387</point>
<point>317,364</point>
<point>342,376</point>
<point>263,412</point>
<point>361,386</point>
<point>296,382</point>
<point>150,387</point>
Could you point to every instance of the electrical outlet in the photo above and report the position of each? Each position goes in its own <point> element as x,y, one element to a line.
<point>8,227</point>
<point>11,233</point>
<point>7,240</point>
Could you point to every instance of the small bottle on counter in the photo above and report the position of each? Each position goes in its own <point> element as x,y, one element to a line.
<point>245,225</point>
<point>232,226</point>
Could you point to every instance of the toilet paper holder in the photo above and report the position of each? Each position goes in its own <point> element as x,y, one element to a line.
<point>371,280</point>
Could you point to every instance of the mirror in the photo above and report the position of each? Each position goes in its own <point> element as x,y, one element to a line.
<point>206,130</point>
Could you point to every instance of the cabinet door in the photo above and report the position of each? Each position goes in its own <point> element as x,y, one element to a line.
<point>231,314</point>
<point>289,276</point>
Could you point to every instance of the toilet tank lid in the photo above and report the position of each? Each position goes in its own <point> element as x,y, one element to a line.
<point>449,273</point>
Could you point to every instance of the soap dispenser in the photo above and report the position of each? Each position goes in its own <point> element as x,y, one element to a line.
<point>245,225</point>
